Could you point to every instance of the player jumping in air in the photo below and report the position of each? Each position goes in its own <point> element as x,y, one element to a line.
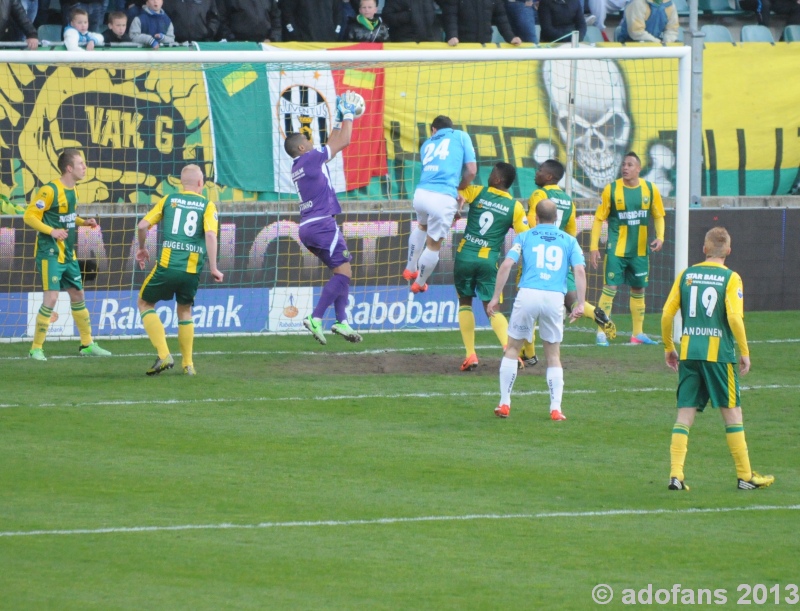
<point>448,165</point>
<point>319,206</point>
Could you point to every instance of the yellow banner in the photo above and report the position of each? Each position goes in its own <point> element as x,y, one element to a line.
<point>137,127</point>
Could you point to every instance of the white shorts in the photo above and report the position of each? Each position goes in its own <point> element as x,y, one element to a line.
<point>436,210</point>
<point>532,305</point>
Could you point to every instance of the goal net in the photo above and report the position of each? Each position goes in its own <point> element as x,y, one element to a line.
<point>138,123</point>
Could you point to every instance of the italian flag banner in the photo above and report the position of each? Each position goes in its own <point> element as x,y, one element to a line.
<point>252,109</point>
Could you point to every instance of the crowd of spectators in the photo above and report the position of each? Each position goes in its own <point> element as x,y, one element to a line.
<point>155,23</point>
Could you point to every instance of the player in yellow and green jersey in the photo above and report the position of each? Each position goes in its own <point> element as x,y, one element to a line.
<point>709,297</point>
<point>52,213</point>
<point>627,204</point>
<point>492,212</point>
<point>547,178</point>
<point>189,236</point>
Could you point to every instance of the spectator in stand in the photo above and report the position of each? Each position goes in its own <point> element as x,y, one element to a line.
<point>789,8</point>
<point>133,8</point>
<point>193,20</point>
<point>349,12</point>
<point>152,27</point>
<point>522,17</point>
<point>31,10</point>
<point>77,36</point>
<point>649,21</point>
<point>600,9</point>
<point>253,20</point>
<point>12,12</point>
<point>94,8</point>
<point>559,18</point>
<point>367,27</point>
<point>411,20</point>
<point>117,28</point>
<point>312,20</point>
<point>763,8</point>
<point>472,20</point>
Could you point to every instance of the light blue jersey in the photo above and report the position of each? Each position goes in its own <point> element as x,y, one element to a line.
<point>547,254</point>
<point>443,157</point>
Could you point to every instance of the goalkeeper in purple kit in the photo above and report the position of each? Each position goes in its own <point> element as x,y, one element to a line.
<point>319,232</point>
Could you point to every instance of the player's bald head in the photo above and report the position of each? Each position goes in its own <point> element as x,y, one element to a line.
<point>192,178</point>
<point>546,211</point>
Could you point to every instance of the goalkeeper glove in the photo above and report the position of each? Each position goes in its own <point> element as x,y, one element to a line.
<point>346,108</point>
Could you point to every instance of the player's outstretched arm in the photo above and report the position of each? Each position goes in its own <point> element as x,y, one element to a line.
<point>580,284</point>
<point>142,255</point>
<point>340,138</point>
<point>211,250</point>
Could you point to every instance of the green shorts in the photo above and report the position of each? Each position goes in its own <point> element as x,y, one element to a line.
<point>475,277</point>
<point>59,276</point>
<point>633,271</point>
<point>164,283</point>
<point>699,381</point>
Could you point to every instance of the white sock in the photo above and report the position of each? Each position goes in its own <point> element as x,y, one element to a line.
<point>416,243</point>
<point>427,263</point>
<point>555,380</point>
<point>508,373</point>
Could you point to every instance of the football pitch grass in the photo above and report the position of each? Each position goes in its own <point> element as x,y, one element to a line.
<point>288,475</point>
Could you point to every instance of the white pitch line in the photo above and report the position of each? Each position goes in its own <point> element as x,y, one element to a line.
<point>362,397</point>
<point>384,521</point>
<point>453,348</point>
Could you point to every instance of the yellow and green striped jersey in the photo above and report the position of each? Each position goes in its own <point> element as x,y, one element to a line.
<point>186,218</point>
<point>565,220</point>
<point>628,211</point>
<point>54,208</point>
<point>711,301</point>
<point>492,212</point>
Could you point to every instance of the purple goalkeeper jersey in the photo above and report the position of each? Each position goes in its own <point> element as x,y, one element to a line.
<point>313,183</point>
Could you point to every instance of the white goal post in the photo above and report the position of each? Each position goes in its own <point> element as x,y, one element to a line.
<point>117,128</point>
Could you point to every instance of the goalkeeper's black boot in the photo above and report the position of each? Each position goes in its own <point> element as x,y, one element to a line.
<point>605,323</point>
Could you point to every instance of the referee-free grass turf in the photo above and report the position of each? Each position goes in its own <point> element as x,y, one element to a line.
<point>326,473</point>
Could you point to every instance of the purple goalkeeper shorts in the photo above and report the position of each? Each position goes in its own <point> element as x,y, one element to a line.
<point>324,239</point>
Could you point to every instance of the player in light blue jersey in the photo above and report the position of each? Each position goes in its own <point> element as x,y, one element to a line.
<point>448,165</point>
<point>547,254</point>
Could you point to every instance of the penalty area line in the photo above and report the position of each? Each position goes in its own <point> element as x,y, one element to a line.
<point>407,520</point>
<point>363,397</point>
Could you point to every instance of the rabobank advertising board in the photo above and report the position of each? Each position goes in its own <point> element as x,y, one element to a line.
<point>271,281</point>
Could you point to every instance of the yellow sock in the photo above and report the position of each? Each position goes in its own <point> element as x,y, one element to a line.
<point>42,325</point>
<point>155,331</point>
<point>738,446</point>
<point>466,322</point>
<point>500,327</point>
<point>607,300</point>
<point>186,340</point>
<point>529,347</point>
<point>81,317</point>
<point>637,312</point>
<point>588,310</point>
<point>677,450</point>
